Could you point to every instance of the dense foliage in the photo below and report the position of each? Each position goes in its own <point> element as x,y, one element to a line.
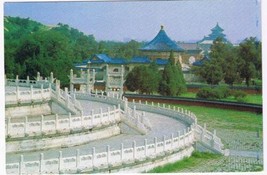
<point>144,79</point>
<point>172,81</point>
<point>232,64</point>
<point>31,46</point>
<point>148,79</point>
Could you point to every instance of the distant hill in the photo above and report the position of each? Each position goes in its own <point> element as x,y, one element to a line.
<point>31,46</point>
<point>16,27</point>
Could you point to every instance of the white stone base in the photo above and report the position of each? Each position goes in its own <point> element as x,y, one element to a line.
<point>28,110</point>
<point>61,141</point>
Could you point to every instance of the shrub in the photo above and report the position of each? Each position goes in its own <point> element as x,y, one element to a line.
<point>224,92</point>
<point>208,93</point>
<point>239,95</point>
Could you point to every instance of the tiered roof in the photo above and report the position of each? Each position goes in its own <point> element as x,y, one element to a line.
<point>162,43</point>
<point>216,32</point>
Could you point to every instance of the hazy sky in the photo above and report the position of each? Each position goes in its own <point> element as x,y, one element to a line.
<point>140,20</point>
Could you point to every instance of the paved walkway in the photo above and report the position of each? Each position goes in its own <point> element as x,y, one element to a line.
<point>161,125</point>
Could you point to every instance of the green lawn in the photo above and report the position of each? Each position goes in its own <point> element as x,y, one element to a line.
<point>185,163</point>
<point>250,98</point>
<point>226,119</point>
<point>236,129</point>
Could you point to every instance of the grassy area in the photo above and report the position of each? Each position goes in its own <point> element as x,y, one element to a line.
<point>226,119</point>
<point>195,159</point>
<point>238,131</point>
<point>250,98</point>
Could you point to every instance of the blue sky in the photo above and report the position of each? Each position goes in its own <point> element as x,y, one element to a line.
<point>140,20</point>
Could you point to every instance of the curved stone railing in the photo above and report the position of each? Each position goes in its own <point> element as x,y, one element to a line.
<point>90,162</point>
<point>130,116</point>
<point>61,124</point>
<point>27,96</point>
<point>122,157</point>
<point>46,92</point>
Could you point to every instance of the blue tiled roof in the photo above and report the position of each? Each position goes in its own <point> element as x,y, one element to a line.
<point>140,60</point>
<point>117,61</point>
<point>161,43</point>
<point>202,61</point>
<point>160,61</point>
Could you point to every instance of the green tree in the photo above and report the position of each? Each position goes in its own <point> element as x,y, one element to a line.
<point>172,82</point>
<point>248,56</point>
<point>144,79</point>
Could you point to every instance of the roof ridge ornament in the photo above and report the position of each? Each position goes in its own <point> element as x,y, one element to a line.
<point>161,27</point>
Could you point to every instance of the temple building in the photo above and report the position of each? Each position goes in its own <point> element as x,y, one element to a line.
<point>207,41</point>
<point>108,74</point>
<point>161,46</point>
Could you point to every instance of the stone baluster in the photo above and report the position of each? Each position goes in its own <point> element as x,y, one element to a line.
<point>42,91</point>
<point>82,118</point>
<point>42,124</point>
<point>31,93</point>
<point>17,94</point>
<point>26,125</point>
<point>41,164</point>
<point>133,101</point>
<point>152,103</point>
<point>60,162</point>
<point>179,139</point>
<point>184,138</point>
<point>169,106</point>
<point>56,122</point>
<point>122,152</point>
<point>66,96</point>
<point>38,76</point>
<point>96,92</point>
<point>28,80</point>
<point>109,119</point>
<point>145,144</point>
<point>125,105</point>
<point>93,157</point>
<point>108,153</point>
<point>51,77</point>
<point>134,150</point>
<point>163,105</point>
<point>21,165</point>
<point>164,143</point>
<point>92,117</point>
<point>78,160</point>
<point>70,121</point>
<point>8,125</point>
<point>134,112</point>
<point>17,80</point>
<point>172,141</point>
<point>101,115</point>
<point>158,105</point>
<point>155,143</point>
<point>203,132</point>
<point>88,81</point>
<point>174,108</point>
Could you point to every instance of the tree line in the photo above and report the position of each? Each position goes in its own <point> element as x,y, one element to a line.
<point>149,80</point>
<point>31,46</point>
<point>232,64</point>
